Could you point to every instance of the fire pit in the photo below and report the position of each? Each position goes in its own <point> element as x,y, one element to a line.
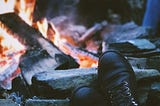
<point>43,59</point>
<point>36,41</point>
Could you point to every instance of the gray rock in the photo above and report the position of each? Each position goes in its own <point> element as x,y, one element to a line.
<point>142,44</point>
<point>146,73</point>
<point>69,79</point>
<point>156,86</point>
<point>66,79</point>
<point>140,63</point>
<point>153,62</point>
<point>7,102</point>
<point>128,31</point>
<point>131,46</point>
<point>47,102</point>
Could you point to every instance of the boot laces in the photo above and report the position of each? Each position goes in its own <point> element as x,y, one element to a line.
<point>121,95</point>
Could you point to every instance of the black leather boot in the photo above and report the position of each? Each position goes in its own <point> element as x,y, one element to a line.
<point>117,79</point>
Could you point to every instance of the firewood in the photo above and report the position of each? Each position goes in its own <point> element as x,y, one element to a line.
<point>41,54</point>
<point>91,31</point>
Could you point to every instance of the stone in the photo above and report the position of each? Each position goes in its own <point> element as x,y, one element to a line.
<point>146,84</point>
<point>153,62</point>
<point>127,31</point>
<point>47,102</point>
<point>7,102</point>
<point>156,86</point>
<point>67,80</point>
<point>156,41</point>
<point>60,83</point>
<point>140,63</point>
<point>146,73</point>
<point>132,46</point>
<point>142,44</point>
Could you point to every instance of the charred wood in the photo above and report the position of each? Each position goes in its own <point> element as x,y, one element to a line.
<point>41,54</point>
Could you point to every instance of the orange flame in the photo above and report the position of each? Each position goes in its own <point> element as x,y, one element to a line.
<point>10,48</point>
<point>25,9</point>
<point>84,59</point>
<point>7,6</point>
<point>42,26</point>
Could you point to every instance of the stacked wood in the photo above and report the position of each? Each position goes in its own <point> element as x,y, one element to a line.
<point>41,54</point>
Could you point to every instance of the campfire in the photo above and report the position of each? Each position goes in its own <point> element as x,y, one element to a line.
<point>43,58</point>
<point>29,46</point>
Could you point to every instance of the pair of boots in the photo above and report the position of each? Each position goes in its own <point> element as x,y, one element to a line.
<point>116,84</point>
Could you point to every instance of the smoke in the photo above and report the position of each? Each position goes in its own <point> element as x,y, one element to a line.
<point>55,8</point>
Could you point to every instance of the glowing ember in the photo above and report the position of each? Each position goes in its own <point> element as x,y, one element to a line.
<point>84,59</point>
<point>10,49</point>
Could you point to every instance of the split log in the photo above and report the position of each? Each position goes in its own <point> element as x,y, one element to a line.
<point>41,54</point>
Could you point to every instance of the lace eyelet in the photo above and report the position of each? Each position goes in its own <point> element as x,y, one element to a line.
<point>121,94</point>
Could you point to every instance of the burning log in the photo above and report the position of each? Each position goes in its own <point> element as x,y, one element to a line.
<point>41,54</point>
<point>84,57</point>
